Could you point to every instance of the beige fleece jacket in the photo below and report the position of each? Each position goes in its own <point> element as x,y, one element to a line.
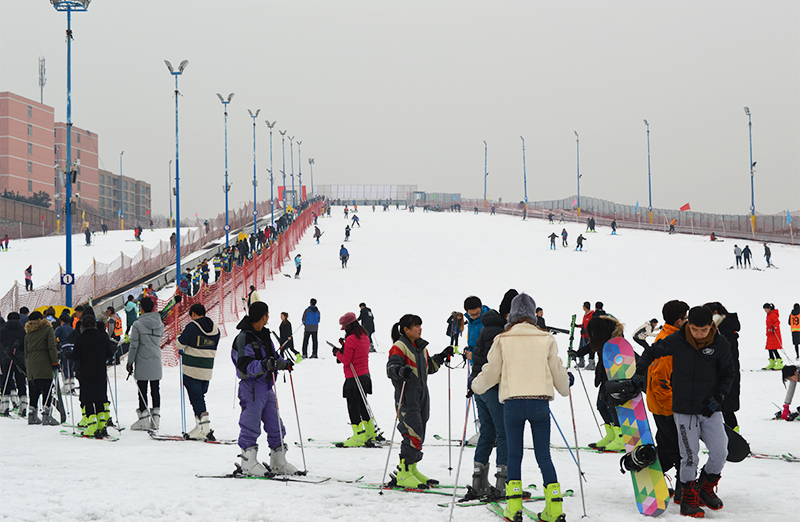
<point>525,361</point>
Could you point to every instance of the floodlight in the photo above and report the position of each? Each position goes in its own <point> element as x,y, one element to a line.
<point>183,65</point>
<point>169,66</point>
<point>747,110</point>
<point>645,122</point>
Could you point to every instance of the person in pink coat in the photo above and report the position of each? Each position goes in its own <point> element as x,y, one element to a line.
<point>354,357</point>
<point>774,342</point>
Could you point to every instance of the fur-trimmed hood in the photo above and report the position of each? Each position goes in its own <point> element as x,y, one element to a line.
<point>32,326</point>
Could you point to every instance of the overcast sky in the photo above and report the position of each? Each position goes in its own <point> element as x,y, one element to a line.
<point>390,92</point>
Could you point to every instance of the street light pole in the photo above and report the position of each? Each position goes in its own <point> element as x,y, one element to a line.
<point>58,190</point>
<point>69,6</point>
<point>121,205</point>
<point>283,171</point>
<point>177,73</point>
<point>578,144</point>
<point>255,182</point>
<point>169,177</point>
<point>524,176</point>
<point>649,184</point>
<point>227,187</point>
<point>485,172</point>
<point>300,170</point>
<point>271,195</point>
<point>311,166</point>
<point>752,172</point>
<point>291,161</point>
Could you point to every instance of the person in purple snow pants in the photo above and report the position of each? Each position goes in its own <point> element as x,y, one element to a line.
<point>256,363</point>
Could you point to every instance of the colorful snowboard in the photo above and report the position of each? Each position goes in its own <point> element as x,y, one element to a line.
<point>649,487</point>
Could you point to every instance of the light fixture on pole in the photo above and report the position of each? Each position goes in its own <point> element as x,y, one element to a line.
<point>283,170</point>
<point>752,172</point>
<point>291,161</point>
<point>227,186</point>
<point>121,195</point>
<point>70,172</point>
<point>300,170</point>
<point>649,184</point>
<point>311,166</point>
<point>578,145</point>
<point>524,176</point>
<point>255,182</point>
<point>271,196</point>
<point>177,73</point>
<point>171,193</point>
<point>485,172</point>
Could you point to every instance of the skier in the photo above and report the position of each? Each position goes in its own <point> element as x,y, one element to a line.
<point>789,373</point>
<point>311,318</point>
<point>672,225</point>
<point>588,224</point>
<point>197,345</point>
<point>104,227</point>
<point>592,224</point>
<point>131,313</point>
<point>492,211</point>
<point>524,362</point>
<point>768,255</point>
<point>614,227</point>
<point>287,340</point>
<point>5,242</point>
<point>114,329</point>
<point>540,322</point>
<point>354,357</point>
<point>774,341</point>
<point>12,342</point>
<point>344,255</point>
<point>728,326</point>
<point>648,329</point>
<point>252,297</point>
<point>475,310</point>
<point>151,225</point>
<point>347,233</point>
<point>564,236</point>
<point>28,277</point>
<point>561,219</point>
<point>205,273</point>
<point>408,367</point>
<point>41,359</point>
<point>550,217</point>
<point>701,378</point>
<point>455,327</point>
<point>256,365</point>
<point>746,255</point>
<point>552,237</point>
<point>738,253</point>
<point>794,323</point>
<point>587,316</point>
<point>298,263</point>
<point>356,221</point>
<point>91,350</point>
<point>346,212</point>
<point>88,234</point>
<point>367,321</point>
<point>144,361</point>
<point>579,244</point>
<point>317,233</point>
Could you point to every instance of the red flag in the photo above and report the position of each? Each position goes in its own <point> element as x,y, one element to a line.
<point>42,217</point>
<point>686,207</point>
<point>148,212</point>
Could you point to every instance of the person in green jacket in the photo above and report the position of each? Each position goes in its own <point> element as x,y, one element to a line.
<point>41,359</point>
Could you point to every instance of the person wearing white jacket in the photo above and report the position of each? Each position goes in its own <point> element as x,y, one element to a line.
<point>524,361</point>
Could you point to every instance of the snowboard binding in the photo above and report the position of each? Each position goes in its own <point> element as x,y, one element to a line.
<point>622,391</point>
<point>638,459</point>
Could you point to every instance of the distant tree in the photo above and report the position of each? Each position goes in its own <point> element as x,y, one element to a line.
<point>40,199</point>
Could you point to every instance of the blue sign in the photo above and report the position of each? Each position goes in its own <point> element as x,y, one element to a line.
<point>255,212</point>
<point>67,279</point>
<point>227,228</point>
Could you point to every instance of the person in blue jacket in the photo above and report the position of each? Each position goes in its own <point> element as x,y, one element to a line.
<point>311,318</point>
<point>475,310</point>
<point>344,255</point>
<point>298,263</point>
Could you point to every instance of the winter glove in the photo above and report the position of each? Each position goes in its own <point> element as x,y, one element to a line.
<point>785,414</point>
<point>571,379</point>
<point>335,351</point>
<point>447,353</point>
<point>470,393</point>
<point>406,372</point>
<point>129,367</point>
<point>268,364</point>
<point>280,364</point>
<point>712,406</point>
<point>640,381</point>
<point>572,354</point>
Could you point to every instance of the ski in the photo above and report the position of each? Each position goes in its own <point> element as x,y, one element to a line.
<point>484,501</point>
<point>338,445</point>
<point>429,490</point>
<point>306,479</point>
<point>177,438</point>
<point>585,449</point>
<point>80,436</point>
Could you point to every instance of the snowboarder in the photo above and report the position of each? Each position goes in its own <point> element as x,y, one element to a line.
<point>564,236</point>
<point>144,361</point>
<point>256,365</point>
<point>579,244</point>
<point>737,252</point>
<point>794,324</point>
<point>524,363</point>
<point>713,237</point>
<point>767,255</point>
<point>354,357</point>
<point>28,278</point>
<point>367,321</point>
<point>298,263</point>
<point>286,339</point>
<point>311,318</point>
<point>197,345</point>
<point>344,255</point>
<point>746,255</point>
<point>774,341</point>
<point>41,359</point>
<point>553,237</point>
<point>347,233</point>
<point>648,329</point>
<point>408,367</point>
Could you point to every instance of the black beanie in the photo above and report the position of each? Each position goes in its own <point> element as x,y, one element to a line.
<point>505,304</point>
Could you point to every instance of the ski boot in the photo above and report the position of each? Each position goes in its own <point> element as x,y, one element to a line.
<point>498,491</point>
<point>779,364</point>
<point>404,477</point>
<point>771,365</point>
<point>706,486</point>
<point>298,359</point>
<point>422,478</point>
<point>616,444</point>
<point>23,405</point>
<point>47,418</point>
<point>155,418</point>
<point>250,465</point>
<point>5,406</point>
<point>33,417</point>
<point>690,501</point>
<point>358,439</point>
<point>369,432</point>
<point>143,424</point>
<point>278,463</point>
<point>513,509</point>
<point>91,427</point>
<point>590,366</point>
<point>202,428</point>
<point>84,419</point>
<point>480,482</point>
<point>553,511</point>
<point>102,421</point>
<point>610,436</point>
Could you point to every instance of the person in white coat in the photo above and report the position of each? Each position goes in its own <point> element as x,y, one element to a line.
<point>144,361</point>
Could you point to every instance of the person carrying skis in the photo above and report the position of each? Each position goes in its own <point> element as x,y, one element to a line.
<point>144,362</point>
<point>41,359</point>
<point>552,237</point>
<point>311,318</point>
<point>774,341</point>
<point>354,357</point>
<point>344,255</point>
<point>367,321</point>
<point>256,362</point>
<point>298,263</point>
<point>408,367</point>
<point>286,339</point>
<point>579,245</point>
<point>564,237</point>
<point>794,324</point>
<point>702,373</point>
<point>524,363</point>
<point>90,352</point>
<point>737,252</point>
<point>789,373</point>
<point>746,255</point>
<point>197,345</point>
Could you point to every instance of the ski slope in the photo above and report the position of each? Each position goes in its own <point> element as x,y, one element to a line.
<point>422,263</point>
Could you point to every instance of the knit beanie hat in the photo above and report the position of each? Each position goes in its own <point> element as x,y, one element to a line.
<point>505,304</point>
<point>522,307</point>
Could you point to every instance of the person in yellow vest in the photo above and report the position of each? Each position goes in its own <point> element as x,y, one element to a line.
<point>794,323</point>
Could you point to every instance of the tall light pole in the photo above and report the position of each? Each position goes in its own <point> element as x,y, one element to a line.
<point>271,195</point>
<point>121,205</point>
<point>58,190</point>
<point>177,73</point>
<point>578,145</point>
<point>752,171</point>
<point>69,172</point>
<point>311,166</point>
<point>300,170</point>
<point>255,182</point>
<point>227,186</point>
<point>524,175</point>
<point>485,172</point>
<point>649,184</point>
<point>169,177</point>
<point>283,170</point>
<point>291,161</point>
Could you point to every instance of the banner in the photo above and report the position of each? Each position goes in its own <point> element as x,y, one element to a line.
<point>685,207</point>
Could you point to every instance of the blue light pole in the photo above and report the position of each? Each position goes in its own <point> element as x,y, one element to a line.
<point>177,73</point>
<point>271,196</point>
<point>752,172</point>
<point>121,213</point>
<point>524,175</point>
<point>300,170</point>
<point>227,187</point>
<point>578,145</point>
<point>291,161</point>
<point>69,173</point>
<point>255,182</point>
<point>649,185</point>
<point>311,166</point>
<point>485,172</point>
<point>283,170</point>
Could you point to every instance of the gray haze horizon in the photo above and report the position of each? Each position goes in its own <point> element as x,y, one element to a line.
<point>407,92</point>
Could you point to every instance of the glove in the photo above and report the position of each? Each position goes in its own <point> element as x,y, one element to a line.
<point>268,364</point>
<point>785,414</point>
<point>129,367</point>
<point>640,381</point>
<point>180,352</point>
<point>571,379</point>
<point>406,372</point>
<point>470,393</point>
<point>335,351</point>
<point>447,352</point>
<point>711,407</point>
<point>572,354</point>
<point>280,364</point>
<point>56,367</point>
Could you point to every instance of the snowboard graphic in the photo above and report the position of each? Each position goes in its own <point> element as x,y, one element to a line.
<point>649,487</point>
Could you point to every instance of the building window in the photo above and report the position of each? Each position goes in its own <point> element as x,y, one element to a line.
<point>102,189</point>
<point>126,207</point>
<point>79,153</point>
<point>30,168</point>
<point>125,185</point>
<point>78,136</point>
<point>30,148</point>
<point>30,111</point>
<point>102,202</point>
<point>115,182</point>
<point>30,130</point>
<point>79,186</point>
<point>102,180</point>
<point>30,186</point>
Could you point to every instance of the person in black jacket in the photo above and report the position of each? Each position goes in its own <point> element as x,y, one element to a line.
<point>367,321</point>
<point>728,326</point>
<point>287,339</point>
<point>702,374</point>
<point>12,342</point>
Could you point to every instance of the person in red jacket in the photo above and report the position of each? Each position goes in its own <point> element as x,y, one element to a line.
<point>774,342</point>
<point>587,316</point>
<point>354,357</point>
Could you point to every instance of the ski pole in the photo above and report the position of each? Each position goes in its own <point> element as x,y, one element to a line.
<point>278,411</point>
<point>449,428</point>
<point>183,403</point>
<point>144,400</point>
<point>567,444</point>
<point>460,455</point>
<point>113,400</point>
<point>391,442</point>
<point>591,408</point>
<point>577,451</point>
<point>116,391</point>
<point>364,398</point>
<point>299,433</point>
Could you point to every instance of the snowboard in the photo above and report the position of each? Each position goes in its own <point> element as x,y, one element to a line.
<point>649,487</point>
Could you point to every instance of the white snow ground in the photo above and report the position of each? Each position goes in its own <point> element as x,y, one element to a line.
<point>425,264</point>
